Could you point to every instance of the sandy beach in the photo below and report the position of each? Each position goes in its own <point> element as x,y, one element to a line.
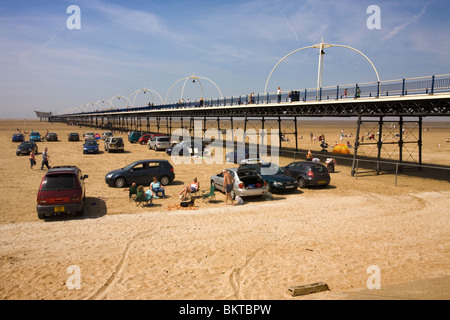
<point>251,251</point>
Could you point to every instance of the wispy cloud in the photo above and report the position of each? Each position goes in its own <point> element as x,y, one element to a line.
<point>401,27</point>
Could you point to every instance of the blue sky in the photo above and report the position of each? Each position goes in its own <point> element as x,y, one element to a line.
<point>124,46</point>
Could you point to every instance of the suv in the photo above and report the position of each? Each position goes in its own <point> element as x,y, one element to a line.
<point>141,172</point>
<point>159,142</point>
<point>308,173</point>
<point>114,144</point>
<point>62,190</point>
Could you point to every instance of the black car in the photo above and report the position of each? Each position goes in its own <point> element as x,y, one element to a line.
<point>141,172</point>
<point>51,137</point>
<point>240,154</point>
<point>275,177</point>
<point>308,173</point>
<point>26,147</point>
<point>73,136</point>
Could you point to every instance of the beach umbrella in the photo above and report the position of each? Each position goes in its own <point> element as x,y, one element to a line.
<point>341,148</point>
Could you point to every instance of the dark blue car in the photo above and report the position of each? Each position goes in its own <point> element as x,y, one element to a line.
<point>90,146</point>
<point>18,137</point>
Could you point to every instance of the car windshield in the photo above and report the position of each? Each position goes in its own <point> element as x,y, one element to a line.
<point>34,133</point>
<point>26,144</point>
<point>60,181</point>
<point>91,143</point>
<point>116,139</point>
<point>165,139</point>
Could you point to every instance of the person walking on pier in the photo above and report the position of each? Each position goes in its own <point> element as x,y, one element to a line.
<point>279,94</point>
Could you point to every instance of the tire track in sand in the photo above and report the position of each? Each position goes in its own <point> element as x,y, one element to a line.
<point>104,289</point>
<point>236,273</point>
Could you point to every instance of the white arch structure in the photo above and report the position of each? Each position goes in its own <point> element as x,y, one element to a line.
<point>135,93</point>
<point>118,97</point>
<point>320,46</point>
<point>193,77</point>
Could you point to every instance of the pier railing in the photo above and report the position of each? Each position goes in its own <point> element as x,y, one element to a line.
<point>401,87</point>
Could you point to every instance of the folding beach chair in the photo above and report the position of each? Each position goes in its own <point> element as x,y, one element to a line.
<point>209,194</point>
<point>132,193</point>
<point>142,199</point>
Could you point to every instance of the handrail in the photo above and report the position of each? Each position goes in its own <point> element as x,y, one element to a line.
<point>401,87</point>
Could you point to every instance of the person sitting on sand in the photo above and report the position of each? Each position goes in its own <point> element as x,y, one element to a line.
<point>144,195</point>
<point>156,187</point>
<point>193,187</point>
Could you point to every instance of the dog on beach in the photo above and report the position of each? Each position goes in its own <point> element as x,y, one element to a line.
<point>186,204</point>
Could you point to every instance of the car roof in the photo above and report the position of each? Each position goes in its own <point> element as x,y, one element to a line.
<point>63,169</point>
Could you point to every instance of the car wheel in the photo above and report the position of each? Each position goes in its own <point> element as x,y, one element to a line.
<point>120,182</point>
<point>269,187</point>
<point>41,216</point>
<point>165,180</point>
<point>301,182</point>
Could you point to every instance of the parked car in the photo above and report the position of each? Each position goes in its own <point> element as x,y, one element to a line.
<point>308,173</point>
<point>51,137</point>
<point>275,177</point>
<point>159,142</point>
<point>236,156</point>
<point>134,136</point>
<point>89,136</point>
<point>247,182</point>
<point>35,136</point>
<point>141,172</point>
<point>26,147</point>
<point>73,136</point>
<point>114,144</point>
<point>183,148</point>
<point>106,135</point>
<point>144,138</point>
<point>62,190</point>
<point>18,137</point>
<point>90,146</point>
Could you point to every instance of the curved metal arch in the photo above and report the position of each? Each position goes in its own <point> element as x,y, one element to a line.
<point>320,47</point>
<point>135,93</point>
<point>193,77</point>
<point>118,97</point>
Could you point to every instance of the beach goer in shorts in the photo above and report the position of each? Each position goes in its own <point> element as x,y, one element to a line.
<point>228,182</point>
<point>194,186</point>
<point>32,159</point>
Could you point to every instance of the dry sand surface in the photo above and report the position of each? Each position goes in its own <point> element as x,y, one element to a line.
<point>251,251</point>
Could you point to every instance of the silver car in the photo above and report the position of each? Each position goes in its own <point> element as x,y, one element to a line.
<point>159,142</point>
<point>106,135</point>
<point>247,183</point>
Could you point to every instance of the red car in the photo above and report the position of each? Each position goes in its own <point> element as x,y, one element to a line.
<point>144,138</point>
<point>62,190</point>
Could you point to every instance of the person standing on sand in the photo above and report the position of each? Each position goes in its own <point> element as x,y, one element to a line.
<point>309,156</point>
<point>45,159</point>
<point>228,182</point>
<point>32,159</point>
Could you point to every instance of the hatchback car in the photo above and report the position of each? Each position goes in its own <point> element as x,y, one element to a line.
<point>308,173</point>
<point>26,147</point>
<point>18,137</point>
<point>35,136</point>
<point>89,136</point>
<point>141,172</point>
<point>62,190</point>
<point>144,138</point>
<point>73,136</point>
<point>90,146</point>
<point>159,142</point>
<point>106,135</point>
<point>51,137</point>
<point>275,177</point>
<point>247,182</point>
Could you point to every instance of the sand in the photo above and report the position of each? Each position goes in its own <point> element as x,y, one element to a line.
<point>251,251</point>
